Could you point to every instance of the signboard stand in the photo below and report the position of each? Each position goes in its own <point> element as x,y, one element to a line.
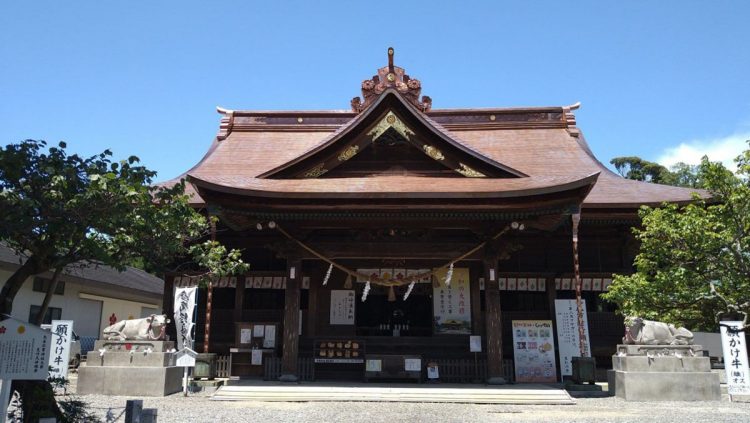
<point>24,354</point>
<point>185,358</point>
<point>568,336</point>
<point>735,358</point>
<point>475,346</point>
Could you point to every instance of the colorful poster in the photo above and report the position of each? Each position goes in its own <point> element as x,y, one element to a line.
<point>735,358</point>
<point>534,351</point>
<point>566,314</point>
<point>451,303</point>
<point>184,312</point>
<point>62,335</point>
<point>342,307</point>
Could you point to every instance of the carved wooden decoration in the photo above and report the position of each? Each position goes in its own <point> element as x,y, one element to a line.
<point>391,77</point>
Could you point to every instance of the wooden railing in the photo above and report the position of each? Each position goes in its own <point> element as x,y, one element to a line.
<point>222,366</point>
<point>464,370</point>
<point>272,368</point>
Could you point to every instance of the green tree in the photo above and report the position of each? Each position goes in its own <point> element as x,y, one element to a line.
<point>61,209</point>
<point>694,263</point>
<point>636,168</point>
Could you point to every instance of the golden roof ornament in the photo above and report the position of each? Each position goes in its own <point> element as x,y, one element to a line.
<point>391,77</point>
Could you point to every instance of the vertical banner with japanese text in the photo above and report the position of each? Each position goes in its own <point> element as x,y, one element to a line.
<point>184,305</point>
<point>342,306</point>
<point>452,303</point>
<point>735,358</point>
<point>62,335</point>
<point>534,351</point>
<point>566,314</point>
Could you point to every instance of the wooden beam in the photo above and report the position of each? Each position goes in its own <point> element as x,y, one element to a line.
<point>239,298</point>
<point>290,342</point>
<point>493,319</point>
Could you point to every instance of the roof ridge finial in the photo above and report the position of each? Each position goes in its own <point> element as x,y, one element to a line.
<point>390,59</point>
<point>392,77</point>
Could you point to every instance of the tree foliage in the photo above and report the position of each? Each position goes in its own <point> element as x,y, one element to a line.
<point>694,263</point>
<point>636,168</point>
<point>60,209</point>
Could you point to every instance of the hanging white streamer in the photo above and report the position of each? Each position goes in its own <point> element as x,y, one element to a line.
<point>449,275</point>
<point>408,290</point>
<point>328,275</point>
<point>365,291</point>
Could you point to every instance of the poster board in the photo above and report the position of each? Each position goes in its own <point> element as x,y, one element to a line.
<point>452,303</point>
<point>24,350</point>
<point>342,307</point>
<point>534,351</point>
<point>566,315</point>
<point>735,358</point>
<point>256,335</point>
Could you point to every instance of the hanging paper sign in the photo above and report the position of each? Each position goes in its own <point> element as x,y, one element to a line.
<point>258,331</point>
<point>475,343</point>
<point>534,351</point>
<point>451,303</point>
<point>432,371</point>
<point>342,306</point>
<point>413,364</point>
<point>269,340</point>
<point>566,313</point>
<point>62,335</point>
<point>24,351</point>
<point>735,358</point>
<point>256,358</point>
<point>374,365</point>
<point>184,305</point>
<point>246,336</point>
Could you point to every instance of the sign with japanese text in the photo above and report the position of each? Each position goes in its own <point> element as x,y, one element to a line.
<point>735,358</point>
<point>342,307</point>
<point>534,351</point>
<point>24,351</point>
<point>475,343</point>
<point>566,313</point>
<point>62,335</point>
<point>452,303</point>
<point>185,358</point>
<point>184,306</point>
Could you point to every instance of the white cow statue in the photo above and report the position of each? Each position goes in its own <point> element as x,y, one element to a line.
<point>648,332</point>
<point>149,328</point>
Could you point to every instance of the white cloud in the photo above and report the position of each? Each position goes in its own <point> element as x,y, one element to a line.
<point>717,149</point>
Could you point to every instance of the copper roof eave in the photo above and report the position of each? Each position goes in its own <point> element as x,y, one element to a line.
<point>348,127</point>
<point>586,182</point>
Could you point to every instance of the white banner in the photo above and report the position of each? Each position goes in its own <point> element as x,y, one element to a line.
<point>566,313</point>
<point>62,335</point>
<point>184,306</point>
<point>735,359</point>
<point>342,307</point>
<point>534,351</point>
<point>452,303</point>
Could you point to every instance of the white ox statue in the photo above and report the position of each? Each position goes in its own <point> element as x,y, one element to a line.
<point>143,329</point>
<point>648,332</point>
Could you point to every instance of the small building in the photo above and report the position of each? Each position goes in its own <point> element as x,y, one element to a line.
<point>90,295</point>
<point>403,230</point>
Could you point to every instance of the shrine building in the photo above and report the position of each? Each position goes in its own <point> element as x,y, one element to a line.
<point>384,238</point>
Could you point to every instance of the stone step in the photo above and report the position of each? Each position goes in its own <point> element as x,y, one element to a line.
<point>310,393</point>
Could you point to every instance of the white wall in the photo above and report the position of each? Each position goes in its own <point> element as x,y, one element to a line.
<point>87,305</point>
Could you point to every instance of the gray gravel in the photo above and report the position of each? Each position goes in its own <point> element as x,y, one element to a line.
<point>199,408</point>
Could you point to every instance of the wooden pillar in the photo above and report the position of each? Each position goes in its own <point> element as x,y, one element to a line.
<point>493,319</point>
<point>239,298</point>
<point>477,328</point>
<point>312,303</point>
<point>167,305</point>
<point>290,343</point>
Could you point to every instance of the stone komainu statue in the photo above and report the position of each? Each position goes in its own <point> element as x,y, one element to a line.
<point>648,332</point>
<point>149,328</point>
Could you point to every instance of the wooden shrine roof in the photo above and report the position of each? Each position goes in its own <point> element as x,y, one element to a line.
<point>541,148</point>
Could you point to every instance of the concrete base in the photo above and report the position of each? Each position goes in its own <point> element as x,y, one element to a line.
<point>666,386</point>
<point>130,381</point>
<point>570,386</point>
<point>497,380</point>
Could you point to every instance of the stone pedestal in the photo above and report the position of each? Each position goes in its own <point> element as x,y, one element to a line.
<point>133,368</point>
<point>662,373</point>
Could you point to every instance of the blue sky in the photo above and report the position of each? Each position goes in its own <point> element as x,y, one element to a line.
<point>662,80</point>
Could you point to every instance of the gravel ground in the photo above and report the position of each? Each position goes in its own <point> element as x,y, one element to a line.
<point>199,408</point>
